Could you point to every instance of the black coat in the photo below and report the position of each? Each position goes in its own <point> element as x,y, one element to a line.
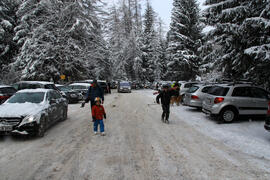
<point>165,97</point>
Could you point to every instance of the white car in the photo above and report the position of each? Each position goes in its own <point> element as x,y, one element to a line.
<point>32,111</point>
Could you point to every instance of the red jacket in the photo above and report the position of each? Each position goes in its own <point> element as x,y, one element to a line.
<point>98,112</point>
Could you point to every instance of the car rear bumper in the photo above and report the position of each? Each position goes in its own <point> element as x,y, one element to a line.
<point>193,103</point>
<point>125,90</point>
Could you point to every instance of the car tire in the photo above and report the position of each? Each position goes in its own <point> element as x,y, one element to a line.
<point>64,115</point>
<point>41,127</point>
<point>228,115</point>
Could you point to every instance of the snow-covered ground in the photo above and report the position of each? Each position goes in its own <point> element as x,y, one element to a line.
<point>139,146</point>
<point>246,135</point>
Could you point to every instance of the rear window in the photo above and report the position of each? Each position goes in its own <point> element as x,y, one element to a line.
<point>102,84</point>
<point>193,89</point>
<point>29,86</point>
<point>7,90</point>
<point>124,84</point>
<point>188,85</point>
<point>218,91</point>
<point>50,86</point>
<point>206,89</point>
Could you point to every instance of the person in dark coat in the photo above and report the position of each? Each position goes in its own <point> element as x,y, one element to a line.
<point>93,92</point>
<point>165,96</point>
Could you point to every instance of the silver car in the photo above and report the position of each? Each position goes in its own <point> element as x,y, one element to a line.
<point>228,101</point>
<point>196,94</point>
<point>184,86</point>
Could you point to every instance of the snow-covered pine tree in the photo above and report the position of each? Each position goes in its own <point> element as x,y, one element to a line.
<point>242,32</point>
<point>64,38</point>
<point>123,29</point>
<point>149,43</point>
<point>255,32</point>
<point>183,40</point>
<point>8,20</point>
<point>161,61</point>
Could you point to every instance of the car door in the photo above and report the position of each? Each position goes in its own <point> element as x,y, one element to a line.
<point>60,104</point>
<point>262,98</point>
<point>52,107</point>
<point>243,100</point>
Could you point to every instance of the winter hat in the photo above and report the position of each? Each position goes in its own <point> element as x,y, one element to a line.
<point>97,99</point>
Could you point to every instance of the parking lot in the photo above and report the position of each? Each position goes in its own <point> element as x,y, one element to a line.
<point>139,146</point>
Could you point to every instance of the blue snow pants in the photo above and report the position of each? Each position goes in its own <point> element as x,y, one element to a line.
<point>100,123</point>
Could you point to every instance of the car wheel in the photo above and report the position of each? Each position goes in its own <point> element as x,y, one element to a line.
<point>228,115</point>
<point>64,115</point>
<point>41,127</point>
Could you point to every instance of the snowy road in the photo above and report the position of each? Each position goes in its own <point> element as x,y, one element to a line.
<point>137,146</point>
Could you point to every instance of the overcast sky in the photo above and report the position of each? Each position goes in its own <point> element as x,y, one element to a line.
<point>162,8</point>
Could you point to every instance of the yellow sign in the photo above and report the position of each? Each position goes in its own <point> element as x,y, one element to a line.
<point>63,77</point>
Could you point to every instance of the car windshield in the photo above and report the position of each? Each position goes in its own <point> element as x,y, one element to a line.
<point>124,84</point>
<point>31,97</point>
<point>218,91</point>
<point>193,89</point>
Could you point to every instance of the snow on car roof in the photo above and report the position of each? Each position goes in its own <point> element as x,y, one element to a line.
<point>80,84</point>
<point>34,90</point>
<point>101,81</point>
<point>39,82</point>
<point>4,86</point>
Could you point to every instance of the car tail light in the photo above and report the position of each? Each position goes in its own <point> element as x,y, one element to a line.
<point>194,97</point>
<point>218,100</point>
<point>3,97</point>
<point>268,112</point>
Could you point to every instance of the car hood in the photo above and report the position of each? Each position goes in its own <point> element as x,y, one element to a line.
<point>20,109</point>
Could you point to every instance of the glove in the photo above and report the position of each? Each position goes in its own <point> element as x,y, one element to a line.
<point>93,118</point>
<point>104,116</point>
<point>158,102</point>
<point>82,105</point>
<point>102,102</point>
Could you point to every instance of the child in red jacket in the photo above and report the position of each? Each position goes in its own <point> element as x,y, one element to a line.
<point>98,112</point>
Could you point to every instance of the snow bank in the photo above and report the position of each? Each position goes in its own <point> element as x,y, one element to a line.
<point>247,136</point>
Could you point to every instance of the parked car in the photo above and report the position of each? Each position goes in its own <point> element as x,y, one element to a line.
<point>113,85</point>
<point>6,92</point>
<point>71,95</point>
<point>196,94</point>
<point>34,85</point>
<point>184,86</point>
<point>32,111</point>
<point>228,101</point>
<point>80,87</point>
<point>267,119</point>
<point>124,86</point>
<point>103,85</point>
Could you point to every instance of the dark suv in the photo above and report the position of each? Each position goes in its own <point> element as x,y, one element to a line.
<point>6,92</point>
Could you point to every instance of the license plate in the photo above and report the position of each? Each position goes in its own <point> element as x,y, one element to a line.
<point>5,128</point>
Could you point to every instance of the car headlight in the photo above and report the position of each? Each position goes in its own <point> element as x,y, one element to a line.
<point>30,119</point>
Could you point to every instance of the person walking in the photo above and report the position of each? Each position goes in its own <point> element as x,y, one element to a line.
<point>98,112</point>
<point>165,96</point>
<point>94,91</point>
